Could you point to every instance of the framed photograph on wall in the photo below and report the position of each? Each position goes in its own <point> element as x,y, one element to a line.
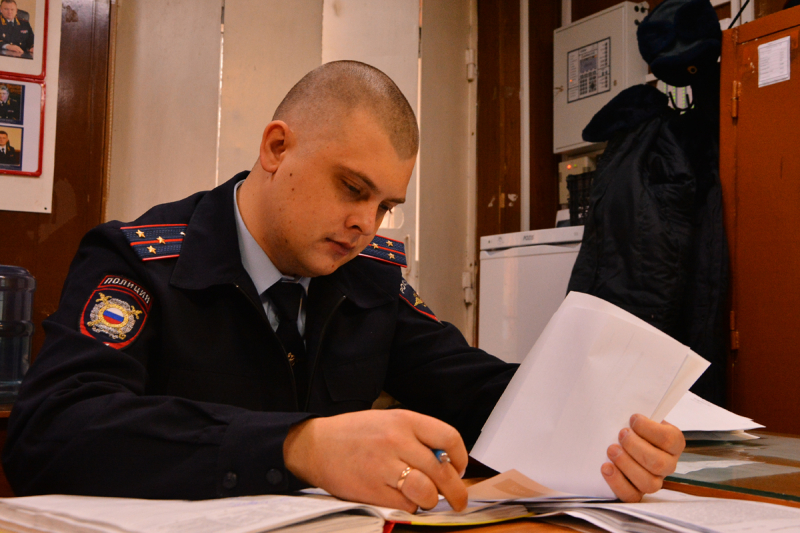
<point>23,37</point>
<point>21,127</point>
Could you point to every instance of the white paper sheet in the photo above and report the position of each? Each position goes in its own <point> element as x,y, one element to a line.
<point>693,413</point>
<point>685,513</point>
<point>685,467</point>
<point>729,436</point>
<point>592,368</point>
<point>774,62</point>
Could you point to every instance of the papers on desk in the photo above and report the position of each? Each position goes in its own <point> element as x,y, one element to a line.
<point>593,366</point>
<point>665,511</point>
<point>248,514</point>
<point>702,420</point>
<point>669,511</point>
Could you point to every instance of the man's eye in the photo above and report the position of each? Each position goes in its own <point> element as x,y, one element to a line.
<point>386,208</point>
<point>353,189</point>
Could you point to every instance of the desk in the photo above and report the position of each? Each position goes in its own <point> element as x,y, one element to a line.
<point>8,53</point>
<point>772,475</point>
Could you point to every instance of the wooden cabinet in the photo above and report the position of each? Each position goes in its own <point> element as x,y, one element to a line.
<point>760,173</point>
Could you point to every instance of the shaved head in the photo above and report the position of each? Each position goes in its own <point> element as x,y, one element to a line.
<point>331,92</point>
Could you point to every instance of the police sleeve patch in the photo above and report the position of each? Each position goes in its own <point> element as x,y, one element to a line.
<point>410,296</point>
<point>116,312</point>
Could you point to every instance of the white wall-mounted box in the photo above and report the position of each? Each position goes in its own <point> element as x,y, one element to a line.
<point>594,59</point>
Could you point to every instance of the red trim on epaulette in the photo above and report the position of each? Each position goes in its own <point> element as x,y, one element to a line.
<point>159,257</point>
<point>140,243</point>
<point>390,250</point>
<point>153,226</point>
<point>384,260</point>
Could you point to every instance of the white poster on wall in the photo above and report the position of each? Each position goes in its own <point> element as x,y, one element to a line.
<point>26,176</point>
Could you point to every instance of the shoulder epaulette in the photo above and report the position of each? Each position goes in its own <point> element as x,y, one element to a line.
<point>410,296</point>
<point>386,250</point>
<point>156,242</point>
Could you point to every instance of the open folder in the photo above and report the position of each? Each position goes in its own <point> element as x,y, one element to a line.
<point>593,366</point>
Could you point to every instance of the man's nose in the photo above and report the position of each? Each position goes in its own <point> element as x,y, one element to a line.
<point>364,218</point>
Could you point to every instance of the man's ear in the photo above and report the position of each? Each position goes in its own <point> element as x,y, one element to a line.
<point>276,139</point>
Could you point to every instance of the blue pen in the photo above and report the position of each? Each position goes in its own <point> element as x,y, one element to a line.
<point>441,455</point>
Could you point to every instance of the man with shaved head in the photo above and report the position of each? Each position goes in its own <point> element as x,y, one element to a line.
<point>233,342</point>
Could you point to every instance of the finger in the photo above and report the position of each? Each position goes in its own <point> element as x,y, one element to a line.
<point>388,497</point>
<point>420,490</point>
<point>653,459</point>
<point>642,480</point>
<point>437,434</point>
<point>663,435</point>
<point>620,484</point>
<point>443,476</point>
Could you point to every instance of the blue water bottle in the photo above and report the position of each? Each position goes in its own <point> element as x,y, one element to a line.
<point>16,329</point>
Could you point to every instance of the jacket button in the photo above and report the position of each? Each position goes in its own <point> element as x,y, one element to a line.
<point>274,477</point>
<point>229,481</point>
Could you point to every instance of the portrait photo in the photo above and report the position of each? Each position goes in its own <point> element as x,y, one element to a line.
<point>10,148</point>
<point>22,39</point>
<point>12,102</point>
<point>21,116</point>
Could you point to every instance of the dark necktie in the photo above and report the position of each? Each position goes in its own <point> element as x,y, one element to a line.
<point>286,298</point>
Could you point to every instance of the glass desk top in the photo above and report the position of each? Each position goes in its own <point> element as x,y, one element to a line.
<point>768,467</point>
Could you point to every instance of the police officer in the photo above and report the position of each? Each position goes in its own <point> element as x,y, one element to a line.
<point>8,155</point>
<point>9,107</point>
<point>16,36</point>
<point>232,342</point>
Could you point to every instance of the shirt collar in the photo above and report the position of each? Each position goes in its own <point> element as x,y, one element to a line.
<point>254,260</point>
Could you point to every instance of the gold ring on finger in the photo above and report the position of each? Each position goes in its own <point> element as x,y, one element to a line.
<point>403,476</point>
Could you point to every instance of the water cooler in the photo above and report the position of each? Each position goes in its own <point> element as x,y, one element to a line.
<point>16,328</point>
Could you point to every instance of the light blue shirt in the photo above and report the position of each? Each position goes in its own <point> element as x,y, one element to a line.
<point>261,270</point>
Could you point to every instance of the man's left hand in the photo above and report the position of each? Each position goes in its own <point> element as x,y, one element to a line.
<point>646,454</point>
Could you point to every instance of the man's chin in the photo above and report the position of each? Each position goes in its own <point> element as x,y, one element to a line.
<point>324,268</point>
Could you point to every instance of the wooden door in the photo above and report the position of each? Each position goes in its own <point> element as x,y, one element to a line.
<point>760,172</point>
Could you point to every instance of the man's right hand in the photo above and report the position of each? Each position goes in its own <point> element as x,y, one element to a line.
<point>361,456</point>
<point>13,48</point>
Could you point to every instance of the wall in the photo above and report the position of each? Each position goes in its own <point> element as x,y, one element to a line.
<point>444,143</point>
<point>269,45</point>
<point>164,137</point>
<point>30,7</point>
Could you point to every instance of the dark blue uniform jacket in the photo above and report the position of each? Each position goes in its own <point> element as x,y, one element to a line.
<point>19,33</point>
<point>197,399</point>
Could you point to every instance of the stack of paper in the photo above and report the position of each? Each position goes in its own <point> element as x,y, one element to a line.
<point>593,366</point>
<point>665,511</point>
<point>702,420</point>
<point>668,511</point>
<point>249,514</point>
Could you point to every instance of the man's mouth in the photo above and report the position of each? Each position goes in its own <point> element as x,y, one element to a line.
<point>342,247</point>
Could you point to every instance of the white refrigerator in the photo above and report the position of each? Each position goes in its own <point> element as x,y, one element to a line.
<point>523,280</point>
